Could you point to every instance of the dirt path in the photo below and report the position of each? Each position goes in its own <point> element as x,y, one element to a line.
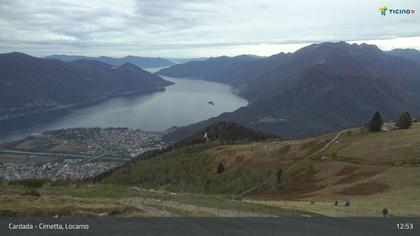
<point>329,143</point>
<point>170,208</point>
<point>145,206</point>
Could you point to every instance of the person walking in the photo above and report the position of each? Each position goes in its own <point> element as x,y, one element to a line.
<point>385,212</point>
<point>347,202</point>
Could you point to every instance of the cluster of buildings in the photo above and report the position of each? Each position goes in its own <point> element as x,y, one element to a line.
<point>92,150</point>
<point>67,169</point>
<point>125,142</point>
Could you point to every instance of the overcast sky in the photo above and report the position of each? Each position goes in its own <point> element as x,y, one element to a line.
<point>195,28</point>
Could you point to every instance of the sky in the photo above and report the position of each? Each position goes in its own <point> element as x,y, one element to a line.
<point>197,28</point>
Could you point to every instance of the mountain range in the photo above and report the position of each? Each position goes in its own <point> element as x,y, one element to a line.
<point>31,85</point>
<point>142,62</point>
<point>317,89</point>
<point>209,69</point>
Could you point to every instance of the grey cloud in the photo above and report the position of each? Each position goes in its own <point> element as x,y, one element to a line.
<point>174,13</point>
<point>184,26</point>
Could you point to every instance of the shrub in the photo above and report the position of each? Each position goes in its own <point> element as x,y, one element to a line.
<point>32,192</point>
<point>32,183</point>
<point>237,198</point>
<point>220,168</point>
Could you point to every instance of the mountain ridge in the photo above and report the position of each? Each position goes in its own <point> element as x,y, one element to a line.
<point>319,88</point>
<point>142,62</point>
<point>31,85</point>
<point>407,53</point>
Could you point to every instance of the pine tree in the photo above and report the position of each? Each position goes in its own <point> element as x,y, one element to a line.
<point>405,121</point>
<point>375,123</point>
<point>220,168</point>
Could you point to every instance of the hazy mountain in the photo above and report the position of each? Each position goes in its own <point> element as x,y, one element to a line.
<point>29,84</point>
<point>185,60</point>
<point>318,88</point>
<point>142,62</point>
<point>206,69</point>
<point>411,54</point>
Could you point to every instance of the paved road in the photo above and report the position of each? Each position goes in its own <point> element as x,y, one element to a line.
<point>219,226</point>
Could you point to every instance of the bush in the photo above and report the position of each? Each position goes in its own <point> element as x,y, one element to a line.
<point>237,198</point>
<point>220,168</point>
<point>32,192</point>
<point>32,183</point>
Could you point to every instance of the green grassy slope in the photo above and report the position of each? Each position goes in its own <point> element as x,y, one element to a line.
<point>371,168</point>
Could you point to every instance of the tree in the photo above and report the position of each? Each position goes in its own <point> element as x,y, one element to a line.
<point>220,168</point>
<point>405,121</point>
<point>375,123</point>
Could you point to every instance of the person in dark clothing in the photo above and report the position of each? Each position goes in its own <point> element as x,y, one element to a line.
<point>347,204</point>
<point>336,203</point>
<point>385,212</point>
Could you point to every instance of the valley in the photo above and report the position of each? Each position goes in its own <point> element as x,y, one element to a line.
<point>190,117</point>
<point>182,103</point>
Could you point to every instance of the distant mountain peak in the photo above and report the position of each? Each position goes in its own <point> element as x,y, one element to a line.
<point>407,53</point>
<point>337,47</point>
<point>142,62</point>
<point>16,54</point>
<point>407,50</point>
<point>128,65</point>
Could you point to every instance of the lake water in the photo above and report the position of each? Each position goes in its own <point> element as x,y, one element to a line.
<point>183,103</point>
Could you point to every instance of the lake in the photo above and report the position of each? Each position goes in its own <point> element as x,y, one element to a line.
<point>183,103</point>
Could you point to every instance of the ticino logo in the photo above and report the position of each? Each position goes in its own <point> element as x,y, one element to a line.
<point>384,10</point>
